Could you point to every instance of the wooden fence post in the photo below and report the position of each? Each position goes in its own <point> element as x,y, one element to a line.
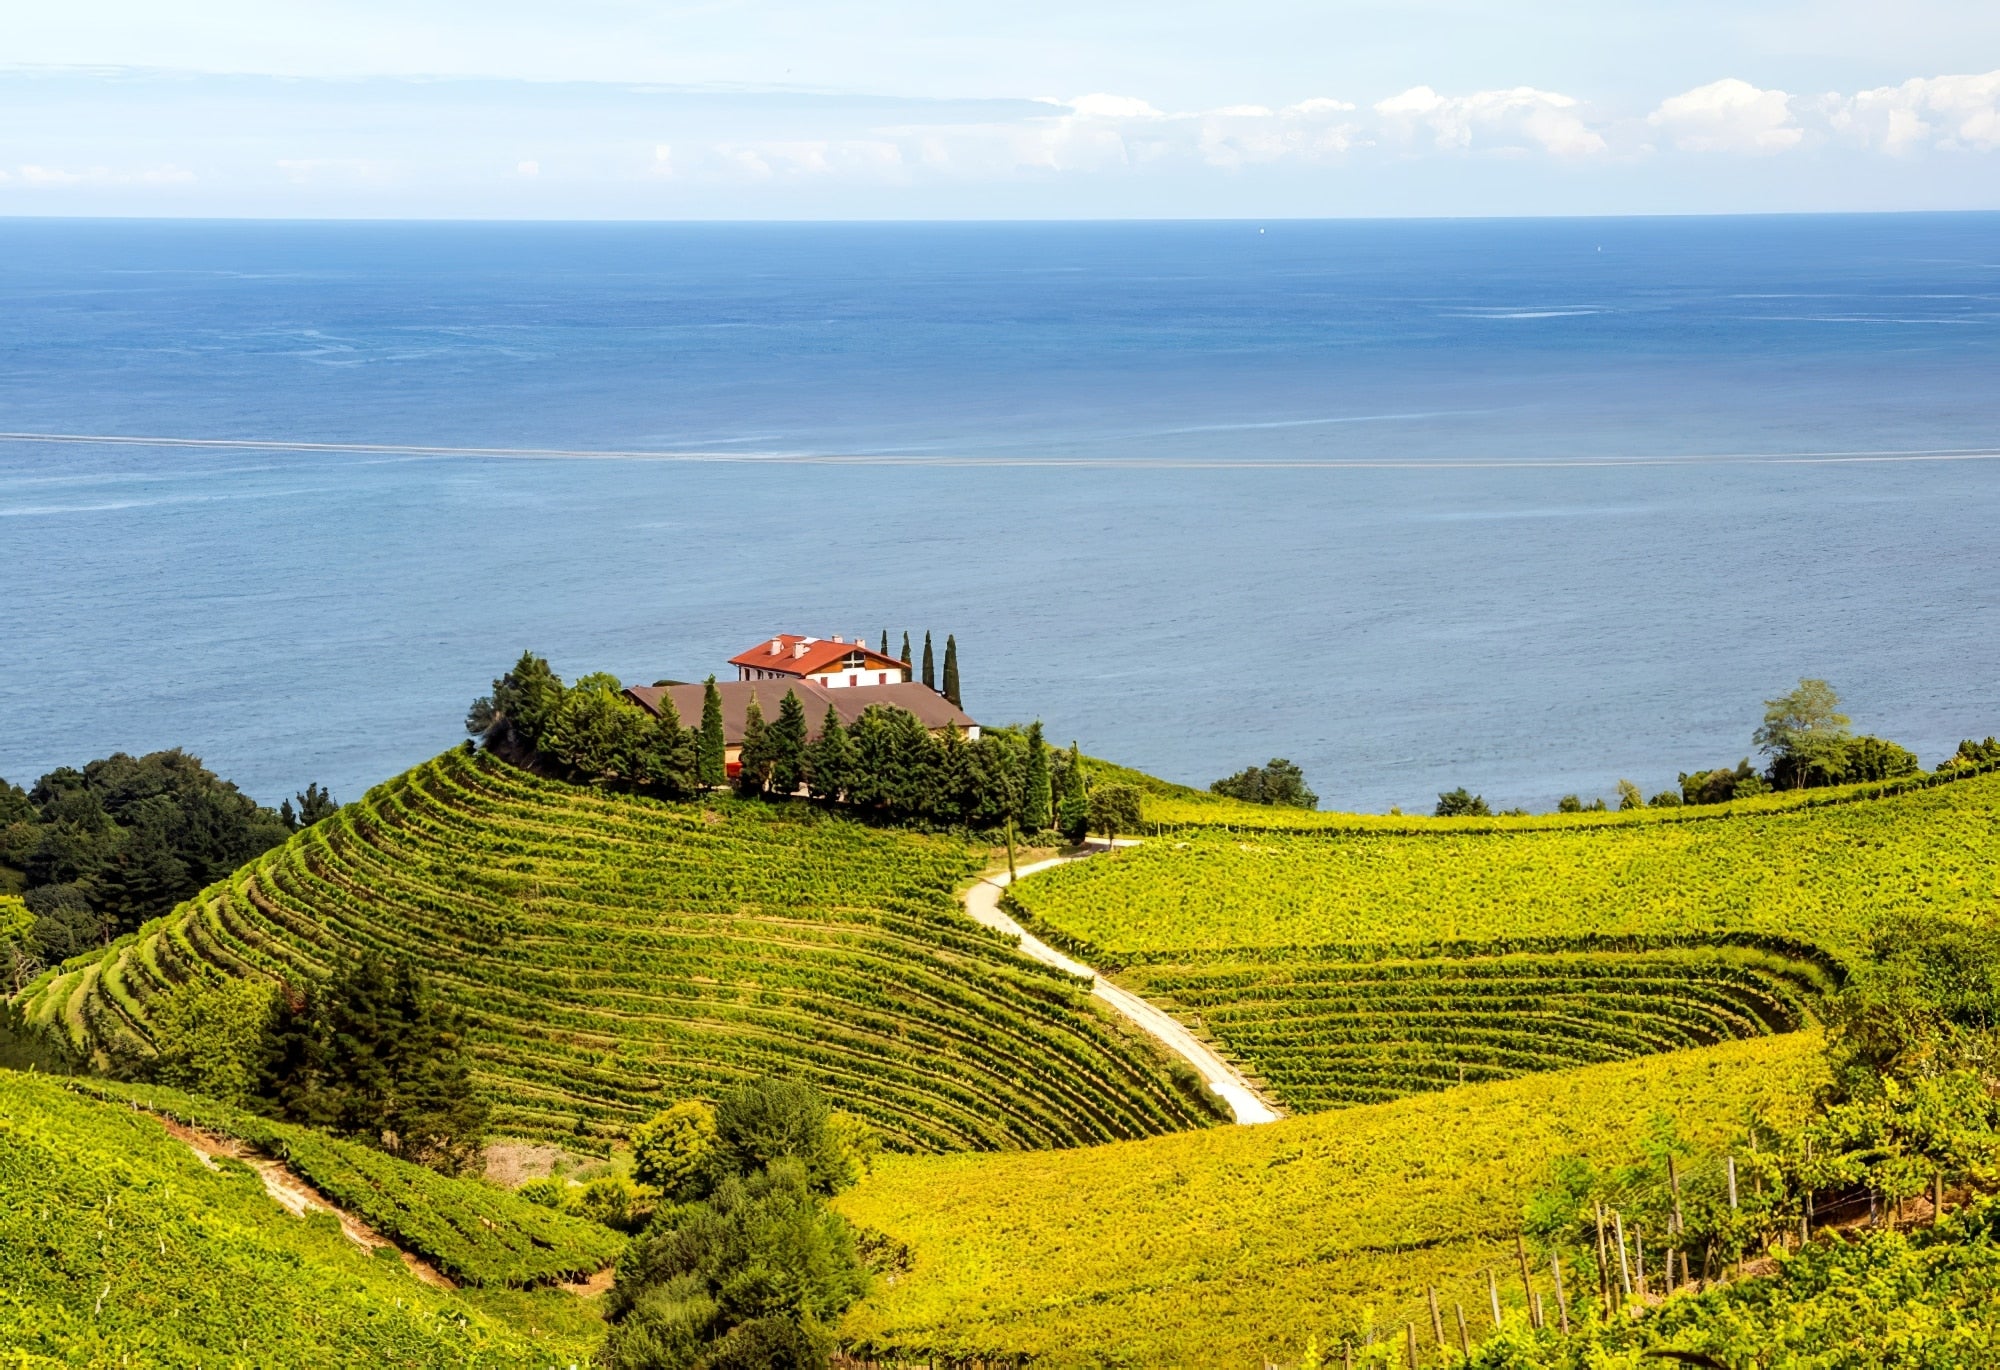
<point>1624,1266</point>
<point>1527,1285</point>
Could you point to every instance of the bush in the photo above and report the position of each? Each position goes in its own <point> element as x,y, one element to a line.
<point>669,1148</point>
<point>1281,784</point>
<point>614,1201</point>
<point>1460,804</point>
<point>770,1120</point>
<point>210,1035</point>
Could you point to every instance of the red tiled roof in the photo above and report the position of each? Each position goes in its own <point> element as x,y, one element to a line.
<point>820,654</point>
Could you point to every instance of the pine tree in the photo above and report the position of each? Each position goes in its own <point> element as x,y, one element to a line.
<point>753,759</point>
<point>930,665</point>
<point>668,756</point>
<point>1038,799</point>
<point>785,742</point>
<point>829,758</point>
<point>951,671</point>
<point>711,749</point>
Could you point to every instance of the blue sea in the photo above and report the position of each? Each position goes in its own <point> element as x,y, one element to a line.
<point>1527,506</point>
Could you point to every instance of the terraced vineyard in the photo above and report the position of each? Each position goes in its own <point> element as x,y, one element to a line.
<point>1328,1033</point>
<point>1358,964</point>
<point>616,953</point>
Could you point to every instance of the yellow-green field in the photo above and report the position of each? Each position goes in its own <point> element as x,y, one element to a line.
<point>1224,1247</point>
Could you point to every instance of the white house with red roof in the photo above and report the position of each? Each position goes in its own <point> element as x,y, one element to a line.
<point>831,663</point>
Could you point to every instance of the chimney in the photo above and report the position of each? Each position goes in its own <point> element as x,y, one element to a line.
<point>839,641</point>
<point>798,650</point>
<point>776,647</point>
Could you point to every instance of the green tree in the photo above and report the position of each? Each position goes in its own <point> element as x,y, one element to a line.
<point>1459,803</point>
<point>668,754</point>
<point>1804,733</point>
<point>1875,758</point>
<point>522,705</point>
<point>930,664</point>
<point>670,1149</point>
<point>786,743</point>
<point>885,642</point>
<point>209,1033</point>
<point>770,1120</point>
<point>829,759</point>
<point>141,879</point>
<point>1629,796</point>
<point>753,771</point>
<point>906,652</point>
<point>1114,809</point>
<point>596,731</point>
<point>951,671</point>
<point>1038,798</point>
<point>314,805</point>
<point>1281,783</point>
<point>1073,798</point>
<point>711,748</point>
<point>372,1053</point>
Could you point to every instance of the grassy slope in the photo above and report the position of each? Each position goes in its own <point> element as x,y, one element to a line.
<point>476,1233</point>
<point>616,953</point>
<point>1222,1247</point>
<point>119,1246</point>
<point>1821,875</point>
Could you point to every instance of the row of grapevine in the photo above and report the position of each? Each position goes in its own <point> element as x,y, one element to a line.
<point>614,954</point>
<point>1323,1034</point>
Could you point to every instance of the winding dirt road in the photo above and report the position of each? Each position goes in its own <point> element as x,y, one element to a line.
<point>982,901</point>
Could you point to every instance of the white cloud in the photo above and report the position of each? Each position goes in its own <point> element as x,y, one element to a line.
<point>1949,112</point>
<point>49,176</point>
<point>1316,130</point>
<point>529,169</point>
<point>1502,121</point>
<point>1102,106</point>
<point>1728,116</point>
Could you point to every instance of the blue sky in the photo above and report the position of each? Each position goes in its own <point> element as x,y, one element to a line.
<point>895,108</point>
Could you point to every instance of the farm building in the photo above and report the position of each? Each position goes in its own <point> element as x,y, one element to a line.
<point>932,709</point>
<point>830,663</point>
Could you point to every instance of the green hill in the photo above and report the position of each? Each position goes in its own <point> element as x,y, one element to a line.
<point>1354,964</point>
<point>616,953</point>
<point>120,1246</point>
<point>1235,1245</point>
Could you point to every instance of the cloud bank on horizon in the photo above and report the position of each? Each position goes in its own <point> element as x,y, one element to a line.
<point>526,113</point>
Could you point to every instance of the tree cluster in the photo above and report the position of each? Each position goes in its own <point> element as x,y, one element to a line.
<point>102,849</point>
<point>1280,783</point>
<point>749,1268</point>
<point>886,763</point>
<point>372,1053</point>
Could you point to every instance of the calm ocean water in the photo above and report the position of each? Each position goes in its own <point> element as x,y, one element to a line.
<point>1525,506</point>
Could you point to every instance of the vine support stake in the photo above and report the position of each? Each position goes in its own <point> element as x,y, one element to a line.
<point>1493,1293</point>
<point>1527,1285</point>
<point>1411,1329</point>
<point>1562,1303</point>
<point>1437,1319</point>
<point>1732,1182</point>
<point>1624,1265</point>
<point>1464,1332</point>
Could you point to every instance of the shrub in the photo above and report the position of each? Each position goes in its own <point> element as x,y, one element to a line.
<point>772,1120</point>
<point>668,1149</point>
<point>1281,784</point>
<point>1460,804</point>
<point>209,1034</point>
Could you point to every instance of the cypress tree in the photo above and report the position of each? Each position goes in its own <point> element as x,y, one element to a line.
<point>828,758</point>
<point>1073,809</point>
<point>951,670</point>
<point>906,656</point>
<point>930,665</point>
<point>753,769</point>
<point>885,642</point>
<point>1038,797</point>
<point>786,743</point>
<point>711,747</point>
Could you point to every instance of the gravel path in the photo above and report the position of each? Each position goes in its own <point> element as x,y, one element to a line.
<point>982,901</point>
